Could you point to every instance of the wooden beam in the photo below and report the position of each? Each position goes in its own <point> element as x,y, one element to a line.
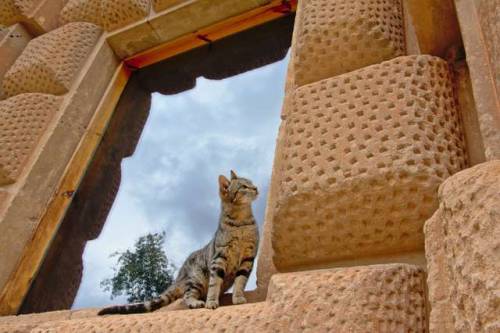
<point>19,283</point>
<point>233,25</point>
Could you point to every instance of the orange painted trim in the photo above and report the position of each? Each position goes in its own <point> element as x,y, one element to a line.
<point>19,283</point>
<point>231,26</point>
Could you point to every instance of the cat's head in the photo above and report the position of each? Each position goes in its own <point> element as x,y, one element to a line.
<point>237,190</point>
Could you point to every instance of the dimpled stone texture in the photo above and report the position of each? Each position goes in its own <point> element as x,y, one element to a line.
<point>13,11</point>
<point>361,161</point>
<point>109,14</point>
<point>160,5</point>
<point>382,298</point>
<point>50,62</point>
<point>335,37</point>
<point>24,119</point>
<point>464,276</point>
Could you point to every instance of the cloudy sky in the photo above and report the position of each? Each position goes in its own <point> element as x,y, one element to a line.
<point>170,183</point>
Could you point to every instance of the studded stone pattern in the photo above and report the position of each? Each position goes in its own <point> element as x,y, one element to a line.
<point>382,298</point>
<point>362,157</point>
<point>335,37</point>
<point>464,279</point>
<point>160,5</point>
<point>50,62</point>
<point>109,14</point>
<point>24,118</point>
<point>13,11</point>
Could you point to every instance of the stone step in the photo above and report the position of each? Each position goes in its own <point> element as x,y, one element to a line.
<point>379,298</point>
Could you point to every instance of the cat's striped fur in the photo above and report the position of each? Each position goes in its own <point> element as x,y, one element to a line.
<point>227,259</point>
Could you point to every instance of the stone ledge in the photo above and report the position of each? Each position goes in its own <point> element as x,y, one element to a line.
<point>380,298</point>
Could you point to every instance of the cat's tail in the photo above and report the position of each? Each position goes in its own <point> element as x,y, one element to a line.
<point>171,294</point>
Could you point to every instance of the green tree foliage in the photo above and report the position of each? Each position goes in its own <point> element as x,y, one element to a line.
<point>143,273</point>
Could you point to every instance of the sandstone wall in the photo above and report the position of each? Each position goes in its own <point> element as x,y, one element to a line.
<point>380,111</point>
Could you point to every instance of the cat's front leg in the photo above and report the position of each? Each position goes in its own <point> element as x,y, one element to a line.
<point>217,273</point>
<point>241,280</point>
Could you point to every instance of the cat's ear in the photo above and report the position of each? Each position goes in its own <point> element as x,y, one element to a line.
<point>233,175</point>
<point>223,185</point>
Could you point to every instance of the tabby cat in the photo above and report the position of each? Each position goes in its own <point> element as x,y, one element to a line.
<point>228,258</point>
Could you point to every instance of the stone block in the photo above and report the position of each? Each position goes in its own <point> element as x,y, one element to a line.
<point>24,119</point>
<point>50,63</point>
<point>381,298</point>
<point>39,16</point>
<point>335,37</point>
<point>12,43</point>
<point>171,24</point>
<point>197,15</point>
<point>109,14</point>
<point>462,249</point>
<point>159,5</point>
<point>13,11</point>
<point>361,160</point>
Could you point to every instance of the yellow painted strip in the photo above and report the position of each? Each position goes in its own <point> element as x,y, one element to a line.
<point>19,283</point>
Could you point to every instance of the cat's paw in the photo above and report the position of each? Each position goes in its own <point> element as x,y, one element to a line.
<point>212,305</point>
<point>196,304</point>
<point>239,300</point>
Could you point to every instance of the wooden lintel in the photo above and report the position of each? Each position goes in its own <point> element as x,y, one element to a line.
<point>233,25</point>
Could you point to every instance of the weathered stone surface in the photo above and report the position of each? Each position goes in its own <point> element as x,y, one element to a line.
<point>488,13</point>
<point>182,20</point>
<point>30,202</point>
<point>435,25</point>
<point>361,159</point>
<point>4,196</point>
<point>13,11</point>
<point>50,62</point>
<point>468,113</point>
<point>381,298</point>
<point>39,16</point>
<point>480,33</point>
<point>13,40</point>
<point>335,37</point>
<point>160,5</point>
<point>24,118</point>
<point>109,14</point>
<point>462,249</point>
